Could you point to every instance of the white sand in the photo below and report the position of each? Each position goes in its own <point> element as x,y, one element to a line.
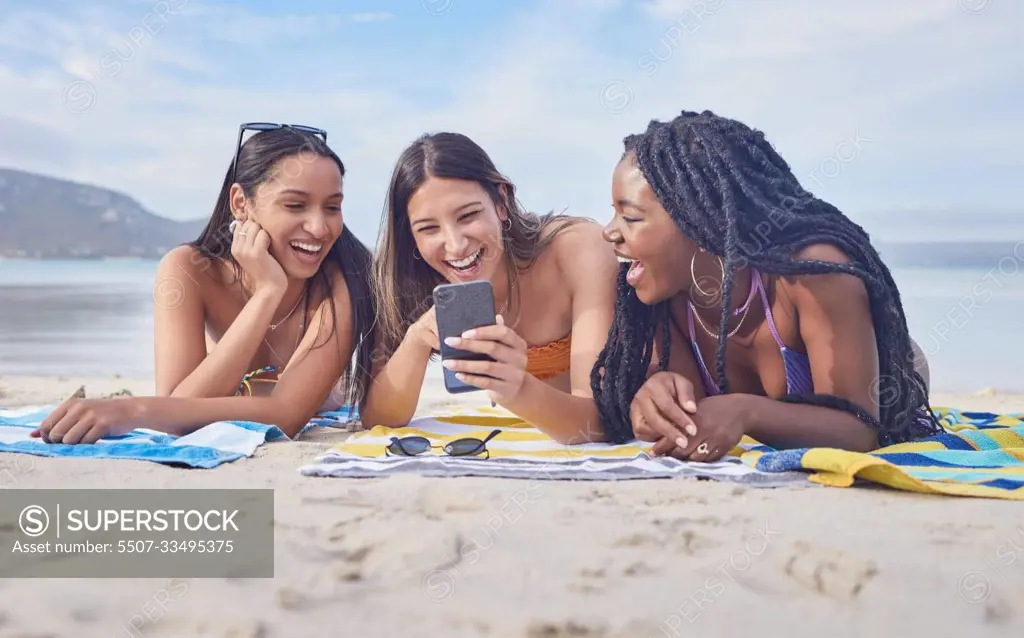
<point>666,557</point>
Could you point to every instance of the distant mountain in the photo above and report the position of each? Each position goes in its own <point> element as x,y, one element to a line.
<point>45,217</point>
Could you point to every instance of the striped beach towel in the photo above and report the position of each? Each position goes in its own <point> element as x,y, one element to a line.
<point>522,451</point>
<point>980,454</point>
<point>209,446</point>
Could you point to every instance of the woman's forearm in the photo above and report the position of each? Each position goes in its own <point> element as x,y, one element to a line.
<point>221,371</point>
<point>793,425</point>
<point>566,418</point>
<point>395,392</point>
<point>181,416</point>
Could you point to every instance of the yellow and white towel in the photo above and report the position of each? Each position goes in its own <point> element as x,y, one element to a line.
<point>521,451</point>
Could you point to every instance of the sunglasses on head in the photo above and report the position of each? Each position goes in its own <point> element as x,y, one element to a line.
<point>416,445</point>
<point>269,126</point>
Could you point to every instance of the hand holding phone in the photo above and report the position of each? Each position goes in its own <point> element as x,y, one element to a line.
<point>458,308</point>
<point>425,330</point>
<point>486,355</point>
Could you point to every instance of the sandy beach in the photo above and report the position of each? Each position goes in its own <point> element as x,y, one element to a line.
<point>666,557</point>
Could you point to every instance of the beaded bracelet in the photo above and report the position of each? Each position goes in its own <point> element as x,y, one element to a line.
<point>250,376</point>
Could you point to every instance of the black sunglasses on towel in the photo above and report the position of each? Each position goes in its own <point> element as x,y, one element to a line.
<point>416,445</point>
<point>269,126</point>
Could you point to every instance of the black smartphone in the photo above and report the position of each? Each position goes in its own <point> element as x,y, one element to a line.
<point>458,308</point>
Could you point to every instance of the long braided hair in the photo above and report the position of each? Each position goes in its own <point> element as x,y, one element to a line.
<point>725,186</point>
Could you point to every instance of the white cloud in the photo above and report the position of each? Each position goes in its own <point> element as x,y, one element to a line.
<point>808,74</point>
<point>152,125</point>
<point>674,9</point>
<point>379,16</point>
<point>811,74</point>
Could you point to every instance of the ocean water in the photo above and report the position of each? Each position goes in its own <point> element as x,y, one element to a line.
<point>96,318</point>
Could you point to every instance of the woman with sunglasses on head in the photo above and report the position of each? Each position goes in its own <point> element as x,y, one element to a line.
<point>258,318</point>
<point>748,307</point>
<point>453,217</point>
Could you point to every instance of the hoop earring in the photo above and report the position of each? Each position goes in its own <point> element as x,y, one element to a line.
<point>696,285</point>
<point>416,254</point>
<point>509,227</point>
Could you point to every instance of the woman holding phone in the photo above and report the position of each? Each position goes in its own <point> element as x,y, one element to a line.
<point>453,217</point>
<point>258,318</point>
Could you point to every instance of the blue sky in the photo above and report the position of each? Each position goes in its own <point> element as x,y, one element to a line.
<point>879,106</point>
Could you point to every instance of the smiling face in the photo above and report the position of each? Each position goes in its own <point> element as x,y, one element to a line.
<point>300,208</point>
<point>457,228</point>
<point>644,233</point>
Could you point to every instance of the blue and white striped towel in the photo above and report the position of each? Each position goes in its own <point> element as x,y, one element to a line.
<point>210,446</point>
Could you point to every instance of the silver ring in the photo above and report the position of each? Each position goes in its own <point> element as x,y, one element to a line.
<point>703,448</point>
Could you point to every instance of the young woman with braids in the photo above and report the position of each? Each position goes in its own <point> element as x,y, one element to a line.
<point>732,263</point>
<point>452,216</point>
<point>274,289</point>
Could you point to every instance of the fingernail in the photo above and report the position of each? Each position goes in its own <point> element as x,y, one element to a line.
<point>681,442</point>
<point>469,334</point>
<point>448,363</point>
<point>452,341</point>
<point>691,429</point>
<point>691,406</point>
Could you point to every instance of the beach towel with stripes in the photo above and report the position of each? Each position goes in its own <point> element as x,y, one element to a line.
<point>207,447</point>
<point>521,451</point>
<point>980,454</point>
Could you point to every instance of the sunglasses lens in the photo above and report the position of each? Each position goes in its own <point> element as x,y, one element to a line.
<point>465,447</point>
<point>261,126</point>
<point>410,445</point>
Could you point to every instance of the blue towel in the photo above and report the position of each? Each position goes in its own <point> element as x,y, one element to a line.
<point>979,454</point>
<point>209,446</point>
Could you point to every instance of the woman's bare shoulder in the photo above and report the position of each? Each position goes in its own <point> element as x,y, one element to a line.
<point>185,256</point>
<point>823,252</point>
<point>840,285</point>
<point>188,264</point>
<point>577,229</point>
<point>581,248</point>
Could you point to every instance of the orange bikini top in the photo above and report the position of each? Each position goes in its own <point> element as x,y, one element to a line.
<point>549,360</point>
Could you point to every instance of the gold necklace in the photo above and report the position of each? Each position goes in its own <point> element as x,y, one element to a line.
<point>508,304</point>
<point>298,339</point>
<point>746,309</point>
<point>505,308</point>
<point>274,326</point>
<point>712,334</point>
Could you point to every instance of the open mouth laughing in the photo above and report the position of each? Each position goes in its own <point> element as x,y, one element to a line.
<point>307,251</point>
<point>468,265</point>
<point>636,269</point>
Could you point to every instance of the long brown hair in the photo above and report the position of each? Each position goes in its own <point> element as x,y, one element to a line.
<point>403,284</point>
